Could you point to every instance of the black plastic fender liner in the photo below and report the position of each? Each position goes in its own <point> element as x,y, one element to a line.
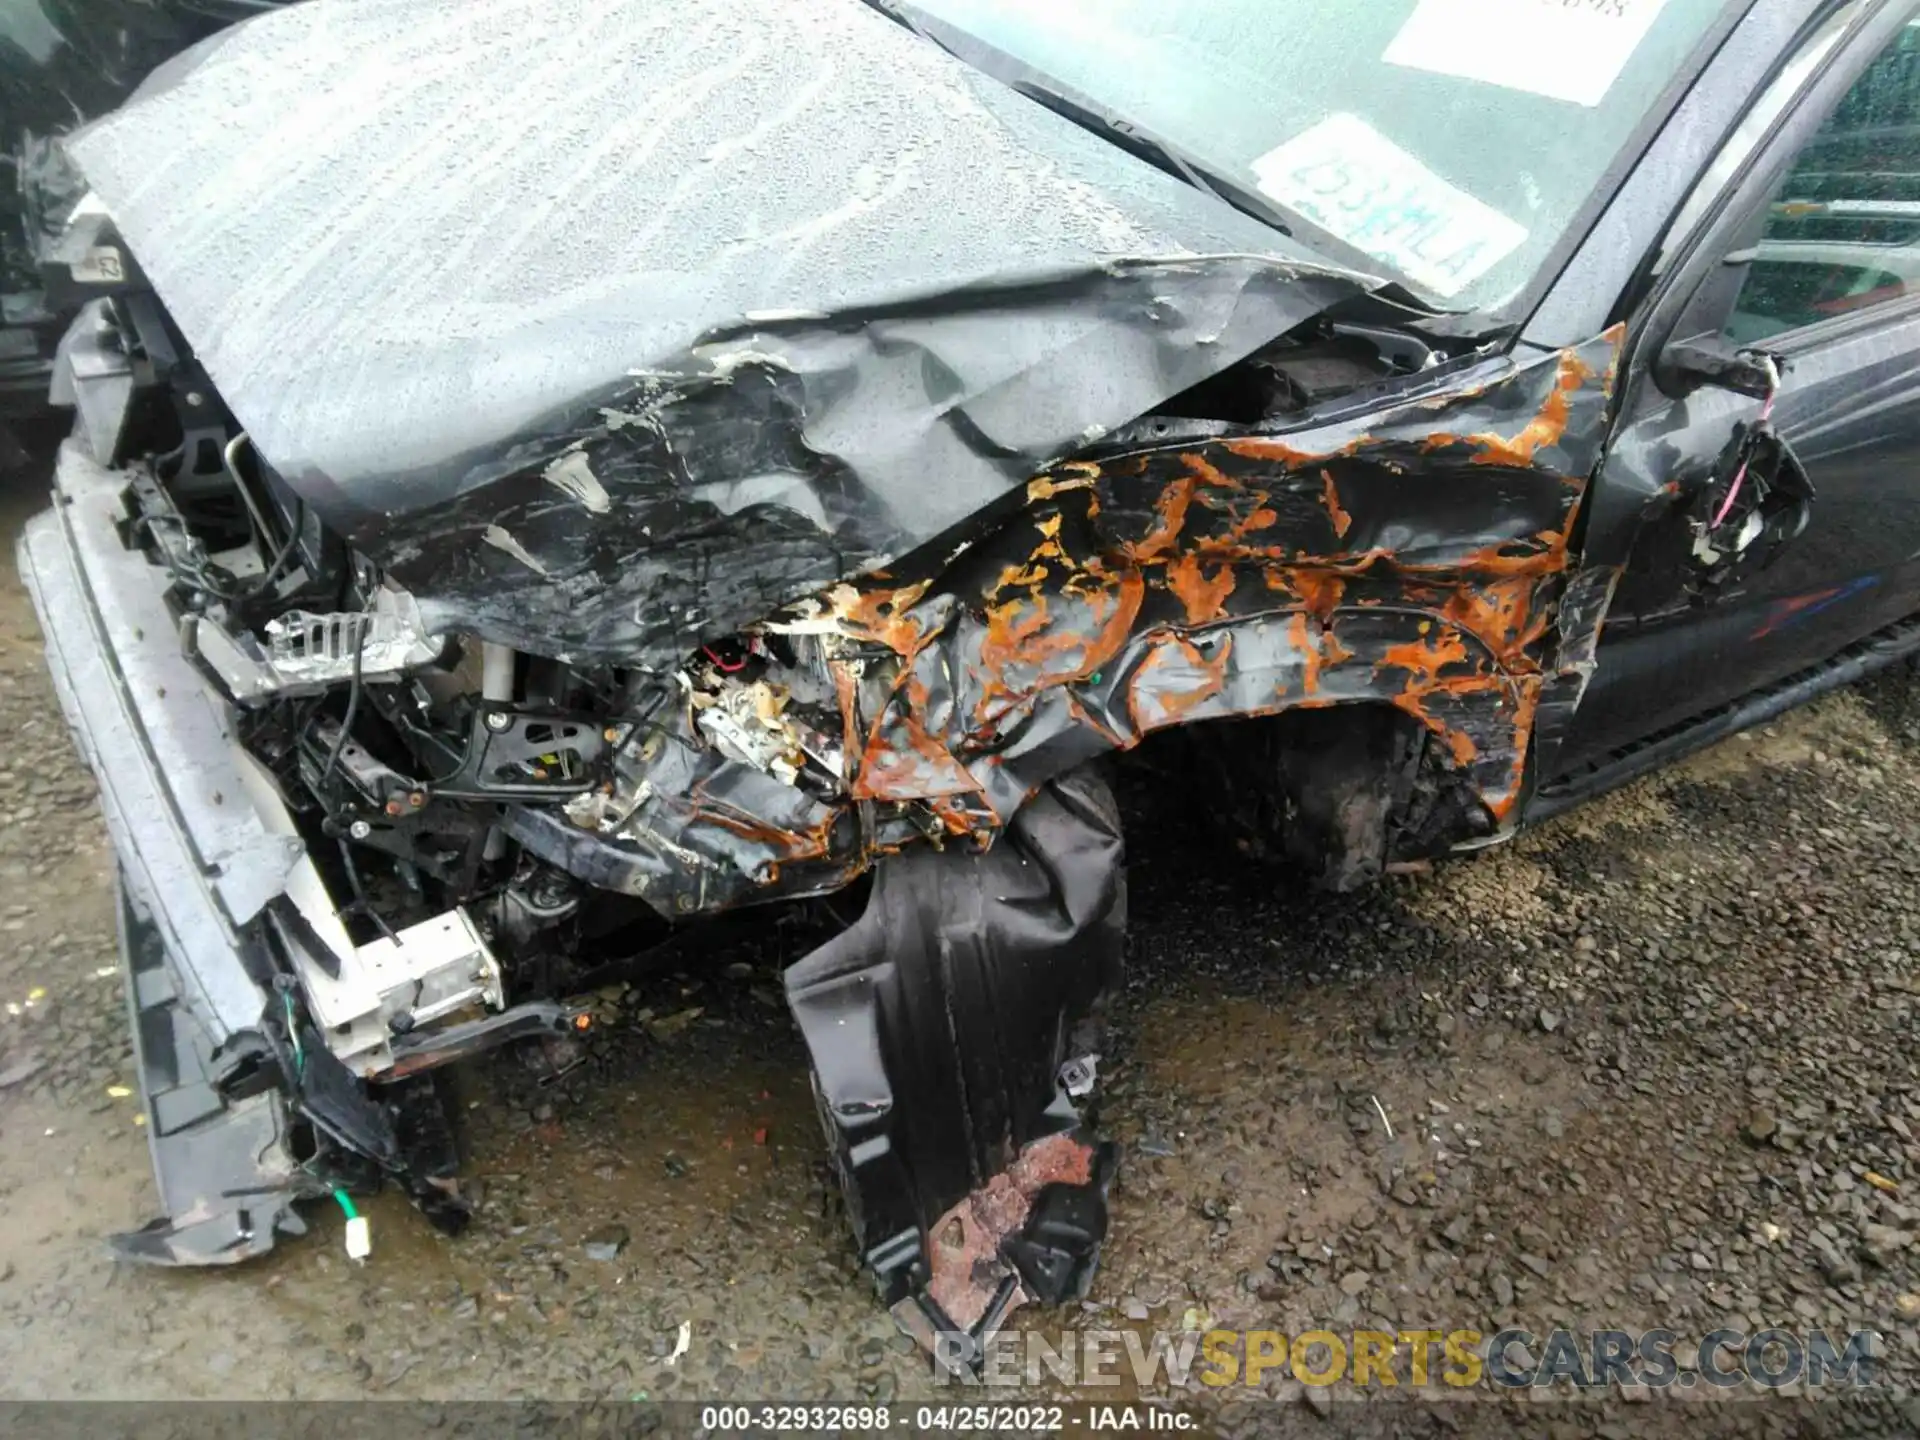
<point>952,1027</point>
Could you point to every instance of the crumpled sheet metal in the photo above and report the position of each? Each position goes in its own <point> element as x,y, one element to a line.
<point>695,498</point>
<point>608,327</point>
<point>1419,558</point>
<point>1418,561</point>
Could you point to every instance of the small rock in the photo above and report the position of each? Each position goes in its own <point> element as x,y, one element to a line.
<point>1837,1268</point>
<point>1502,1291</point>
<point>23,1069</point>
<point>1760,1127</point>
<point>1317,1400</point>
<point>1135,1309</point>
<point>1354,1281</point>
<point>1880,1244</point>
<point>607,1242</point>
<point>1549,1020</point>
<point>1537,1265</point>
<point>1907,1307</point>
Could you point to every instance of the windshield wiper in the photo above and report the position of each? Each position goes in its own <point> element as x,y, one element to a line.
<point>1149,147</point>
<point>1023,79</point>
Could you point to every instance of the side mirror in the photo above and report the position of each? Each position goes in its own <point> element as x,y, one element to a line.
<point>1685,365</point>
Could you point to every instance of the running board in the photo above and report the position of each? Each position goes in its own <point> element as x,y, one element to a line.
<point>1856,662</point>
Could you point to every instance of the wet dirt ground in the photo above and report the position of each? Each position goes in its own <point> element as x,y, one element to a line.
<point>1655,1064</point>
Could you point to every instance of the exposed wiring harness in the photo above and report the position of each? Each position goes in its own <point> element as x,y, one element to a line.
<point>359,1232</point>
<point>1766,413</point>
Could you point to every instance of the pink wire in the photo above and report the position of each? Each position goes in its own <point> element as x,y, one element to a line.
<point>1733,490</point>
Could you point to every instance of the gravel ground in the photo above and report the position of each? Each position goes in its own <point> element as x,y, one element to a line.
<point>1654,1064</point>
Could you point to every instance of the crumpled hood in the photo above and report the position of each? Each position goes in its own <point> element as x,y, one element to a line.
<point>608,327</point>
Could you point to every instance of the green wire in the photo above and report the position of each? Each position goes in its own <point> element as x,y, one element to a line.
<point>346,1204</point>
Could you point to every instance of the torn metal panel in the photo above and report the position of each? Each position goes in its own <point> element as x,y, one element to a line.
<point>674,366</point>
<point>950,1028</point>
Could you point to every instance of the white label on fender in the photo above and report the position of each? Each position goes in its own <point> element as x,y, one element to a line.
<point>1359,186</point>
<point>1565,49</point>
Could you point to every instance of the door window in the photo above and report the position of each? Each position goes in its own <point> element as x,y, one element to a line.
<point>1843,231</point>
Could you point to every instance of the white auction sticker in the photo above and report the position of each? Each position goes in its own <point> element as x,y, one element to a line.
<point>101,265</point>
<point>1569,50</point>
<point>1360,187</point>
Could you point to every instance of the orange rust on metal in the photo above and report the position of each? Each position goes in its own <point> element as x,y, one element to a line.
<point>1265,447</point>
<point>1541,432</point>
<point>885,616</point>
<point>964,1254</point>
<point>1426,658</point>
<point>1207,472</point>
<point>1319,591</point>
<point>1300,628</point>
<point>1330,497</point>
<point>846,694</point>
<point>1171,704</point>
<point>1079,475</point>
<point>927,770</point>
<point>1502,614</point>
<point>1203,597</point>
<point>1170,518</point>
<point>1526,703</point>
<point>789,846</point>
<point>1014,641</point>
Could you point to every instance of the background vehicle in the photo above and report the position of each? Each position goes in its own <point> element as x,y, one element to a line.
<point>62,61</point>
<point>460,585</point>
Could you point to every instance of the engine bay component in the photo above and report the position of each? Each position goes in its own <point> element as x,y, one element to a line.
<point>398,983</point>
<point>305,653</point>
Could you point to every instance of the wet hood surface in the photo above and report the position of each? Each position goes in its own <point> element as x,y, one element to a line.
<point>608,327</point>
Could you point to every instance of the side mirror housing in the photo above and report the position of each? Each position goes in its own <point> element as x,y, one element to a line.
<point>1685,365</point>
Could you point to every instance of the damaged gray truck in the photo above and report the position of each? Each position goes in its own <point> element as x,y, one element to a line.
<point>546,475</point>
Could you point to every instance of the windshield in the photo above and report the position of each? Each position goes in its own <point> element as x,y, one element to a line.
<point>1450,142</point>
